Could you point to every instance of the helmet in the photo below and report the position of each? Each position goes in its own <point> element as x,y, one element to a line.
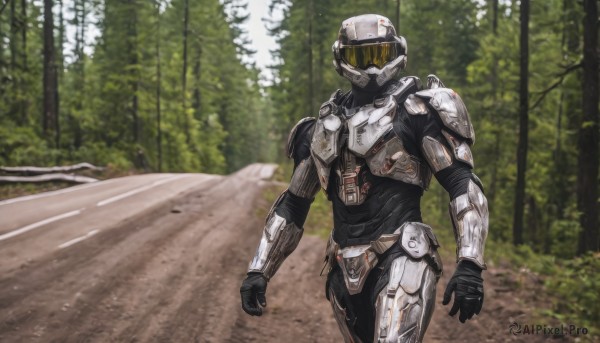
<point>368,52</point>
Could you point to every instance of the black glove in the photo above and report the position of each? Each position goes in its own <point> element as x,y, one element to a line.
<point>253,293</point>
<point>467,285</point>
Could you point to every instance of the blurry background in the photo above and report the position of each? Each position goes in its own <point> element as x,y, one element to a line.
<point>177,86</point>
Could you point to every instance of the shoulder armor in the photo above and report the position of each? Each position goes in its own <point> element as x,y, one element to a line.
<point>325,147</point>
<point>415,105</point>
<point>451,110</point>
<point>434,82</point>
<point>401,89</point>
<point>292,136</point>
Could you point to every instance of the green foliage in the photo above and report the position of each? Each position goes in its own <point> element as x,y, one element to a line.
<point>576,285</point>
<point>564,235</point>
<point>108,99</point>
<point>23,146</point>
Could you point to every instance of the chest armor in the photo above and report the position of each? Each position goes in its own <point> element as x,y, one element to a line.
<point>365,140</point>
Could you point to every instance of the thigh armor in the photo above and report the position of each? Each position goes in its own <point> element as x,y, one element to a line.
<point>403,291</point>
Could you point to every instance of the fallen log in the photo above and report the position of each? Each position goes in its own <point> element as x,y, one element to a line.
<point>28,170</point>
<point>47,178</point>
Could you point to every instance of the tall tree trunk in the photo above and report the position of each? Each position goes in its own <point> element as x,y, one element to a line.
<point>3,5</point>
<point>587,143</point>
<point>134,83</point>
<point>186,23</point>
<point>24,20</point>
<point>398,16</point>
<point>61,39</point>
<point>560,193</point>
<point>523,126</point>
<point>15,72</point>
<point>79,67</point>
<point>309,57</point>
<point>495,16</point>
<point>495,118</point>
<point>60,67</point>
<point>2,63</point>
<point>158,80</point>
<point>14,29</point>
<point>197,95</point>
<point>50,113</point>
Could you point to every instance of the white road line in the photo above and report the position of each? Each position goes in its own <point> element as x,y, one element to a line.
<point>78,239</point>
<point>139,190</point>
<point>40,223</point>
<point>60,191</point>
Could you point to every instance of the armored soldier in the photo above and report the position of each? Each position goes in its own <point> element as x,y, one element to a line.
<point>373,151</point>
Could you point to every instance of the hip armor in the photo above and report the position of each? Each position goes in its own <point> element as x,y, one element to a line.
<point>416,239</point>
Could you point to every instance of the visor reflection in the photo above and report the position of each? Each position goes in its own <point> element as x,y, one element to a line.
<point>363,56</point>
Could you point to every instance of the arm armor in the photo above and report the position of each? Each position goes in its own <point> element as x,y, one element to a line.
<point>469,211</point>
<point>443,148</point>
<point>283,228</point>
<point>470,218</point>
<point>279,239</point>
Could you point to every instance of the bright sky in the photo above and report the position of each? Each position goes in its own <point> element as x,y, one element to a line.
<point>257,32</point>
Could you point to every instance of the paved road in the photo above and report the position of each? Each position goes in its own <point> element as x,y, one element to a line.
<point>160,258</point>
<point>148,258</point>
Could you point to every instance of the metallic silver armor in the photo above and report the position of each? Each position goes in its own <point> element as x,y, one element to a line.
<point>461,148</point>
<point>325,147</point>
<point>470,217</point>
<point>367,131</point>
<point>349,142</point>
<point>292,135</point>
<point>369,125</point>
<point>354,31</point>
<point>279,239</point>
<point>339,314</point>
<point>436,154</point>
<point>415,105</point>
<point>416,239</point>
<point>451,109</point>
<point>434,82</point>
<point>356,262</point>
<point>404,308</point>
<point>393,161</point>
<point>304,181</point>
<point>349,190</point>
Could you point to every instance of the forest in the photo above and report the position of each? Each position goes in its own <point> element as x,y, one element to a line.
<point>165,86</point>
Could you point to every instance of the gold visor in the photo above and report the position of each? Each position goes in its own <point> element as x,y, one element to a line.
<point>364,56</point>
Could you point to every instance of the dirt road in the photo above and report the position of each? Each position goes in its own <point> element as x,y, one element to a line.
<point>160,257</point>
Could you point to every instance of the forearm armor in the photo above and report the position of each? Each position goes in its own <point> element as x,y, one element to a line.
<point>282,233</point>
<point>279,239</point>
<point>470,218</point>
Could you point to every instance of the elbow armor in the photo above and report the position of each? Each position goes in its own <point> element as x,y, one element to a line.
<point>470,218</point>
